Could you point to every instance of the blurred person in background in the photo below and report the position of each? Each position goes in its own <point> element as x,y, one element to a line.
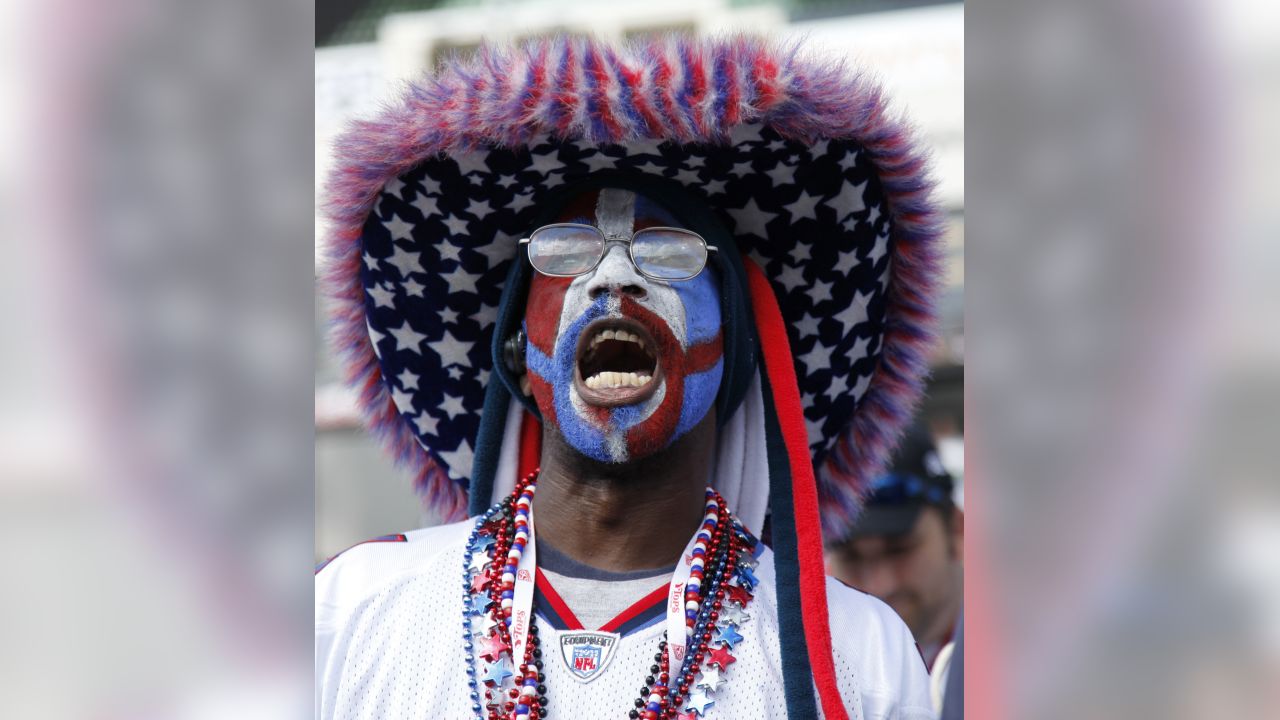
<point>589,272</point>
<point>907,548</point>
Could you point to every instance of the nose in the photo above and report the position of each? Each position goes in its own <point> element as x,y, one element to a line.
<point>877,577</point>
<point>616,273</point>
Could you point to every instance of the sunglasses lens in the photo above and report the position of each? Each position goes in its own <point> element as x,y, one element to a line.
<point>565,250</point>
<point>669,254</point>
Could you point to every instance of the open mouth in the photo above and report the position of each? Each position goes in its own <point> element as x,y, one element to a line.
<point>616,363</point>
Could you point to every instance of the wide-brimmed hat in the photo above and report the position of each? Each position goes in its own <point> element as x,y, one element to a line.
<point>824,197</point>
<point>819,186</point>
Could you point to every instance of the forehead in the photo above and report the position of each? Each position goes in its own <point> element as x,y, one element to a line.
<point>640,211</point>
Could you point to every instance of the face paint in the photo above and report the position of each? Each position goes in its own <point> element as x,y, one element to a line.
<point>593,339</point>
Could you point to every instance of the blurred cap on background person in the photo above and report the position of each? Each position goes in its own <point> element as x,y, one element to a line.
<point>915,480</point>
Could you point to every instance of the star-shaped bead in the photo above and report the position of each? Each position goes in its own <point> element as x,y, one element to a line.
<point>720,656</point>
<point>484,542</point>
<point>498,674</point>
<point>478,561</point>
<point>748,578</point>
<point>737,594</point>
<point>479,603</point>
<point>491,648</point>
<point>727,635</point>
<point>699,702</point>
<point>479,582</point>
<point>711,679</point>
<point>734,614</point>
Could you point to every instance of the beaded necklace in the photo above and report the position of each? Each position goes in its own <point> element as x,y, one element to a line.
<point>721,560</point>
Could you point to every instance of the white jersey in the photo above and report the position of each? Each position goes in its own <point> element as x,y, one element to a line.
<point>390,644</point>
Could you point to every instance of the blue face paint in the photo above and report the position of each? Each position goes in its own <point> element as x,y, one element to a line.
<point>679,324</point>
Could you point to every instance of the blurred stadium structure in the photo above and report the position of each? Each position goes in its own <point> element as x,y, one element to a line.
<point>367,50</point>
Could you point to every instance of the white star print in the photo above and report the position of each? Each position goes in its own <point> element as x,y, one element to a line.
<point>599,161</point>
<point>688,177</point>
<point>791,277</point>
<point>855,313</point>
<point>520,202</point>
<point>427,205</point>
<point>782,174</point>
<point>483,378</point>
<point>846,263</point>
<point>370,261</point>
<point>545,164</point>
<point>814,429</point>
<point>874,214</point>
<point>461,281</point>
<point>407,338</point>
<point>820,148</point>
<point>507,180</point>
<point>652,168</point>
<point>877,250</point>
<point>804,206</point>
<point>452,406</point>
<point>459,461</point>
<point>849,160</point>
<point>859,350</point>
<point>750,219</point>
<point>819,358</point>
<point>375,337</point>
<point>399,229</point>
<point>406,262</point>
<point>777,145</point>
<point>413,288</point>
<point>838,386</point>
<point>408,380</point>
<point>820,291</point>
<point>395,187</point>
<point>448,251</point>
<point>860,387</point>
<point>402,399</point>
<point>498,251</point>
<point>451,350</point>
<point>741,169</point>
<point>456,225</point>
<point>807,326</point>
<point>455,372</point>
<point>432,187</point>
<point>479,208</point>
<point>715,187</point>
<point>426,424</point>
<point>849,199</point>
<point>487,316</point>
<point>381,296</point>
<point>647,146</point>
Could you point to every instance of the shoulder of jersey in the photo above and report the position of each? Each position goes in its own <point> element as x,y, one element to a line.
<point>367,565</point>
<point>866,618</point>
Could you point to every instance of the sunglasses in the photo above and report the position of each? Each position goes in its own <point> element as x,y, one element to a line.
<point>659,253</point>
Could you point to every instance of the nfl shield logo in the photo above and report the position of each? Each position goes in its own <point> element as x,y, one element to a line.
<point>587,653</point>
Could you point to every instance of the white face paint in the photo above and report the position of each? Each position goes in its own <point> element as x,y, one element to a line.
<point>616,297</point>
<point>615,215</point>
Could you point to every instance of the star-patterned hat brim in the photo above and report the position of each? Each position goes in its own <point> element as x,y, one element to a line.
<point>818,186</point>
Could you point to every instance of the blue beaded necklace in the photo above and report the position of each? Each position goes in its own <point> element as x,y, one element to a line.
<point>722,560</point>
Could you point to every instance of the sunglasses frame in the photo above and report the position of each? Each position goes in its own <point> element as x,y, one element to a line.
<point>629,242</point>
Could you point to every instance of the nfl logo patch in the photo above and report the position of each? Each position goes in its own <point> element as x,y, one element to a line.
<point>587,653</point>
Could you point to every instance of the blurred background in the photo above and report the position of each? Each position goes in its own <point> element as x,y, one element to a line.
<point>367,50</point>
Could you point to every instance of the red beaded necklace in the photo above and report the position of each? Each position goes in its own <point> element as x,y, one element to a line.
<point>721,561</point>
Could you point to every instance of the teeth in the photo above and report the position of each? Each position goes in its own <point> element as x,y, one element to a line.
<point>609,379</point>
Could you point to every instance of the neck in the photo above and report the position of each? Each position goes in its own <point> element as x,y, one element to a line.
<point>636,516</point>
